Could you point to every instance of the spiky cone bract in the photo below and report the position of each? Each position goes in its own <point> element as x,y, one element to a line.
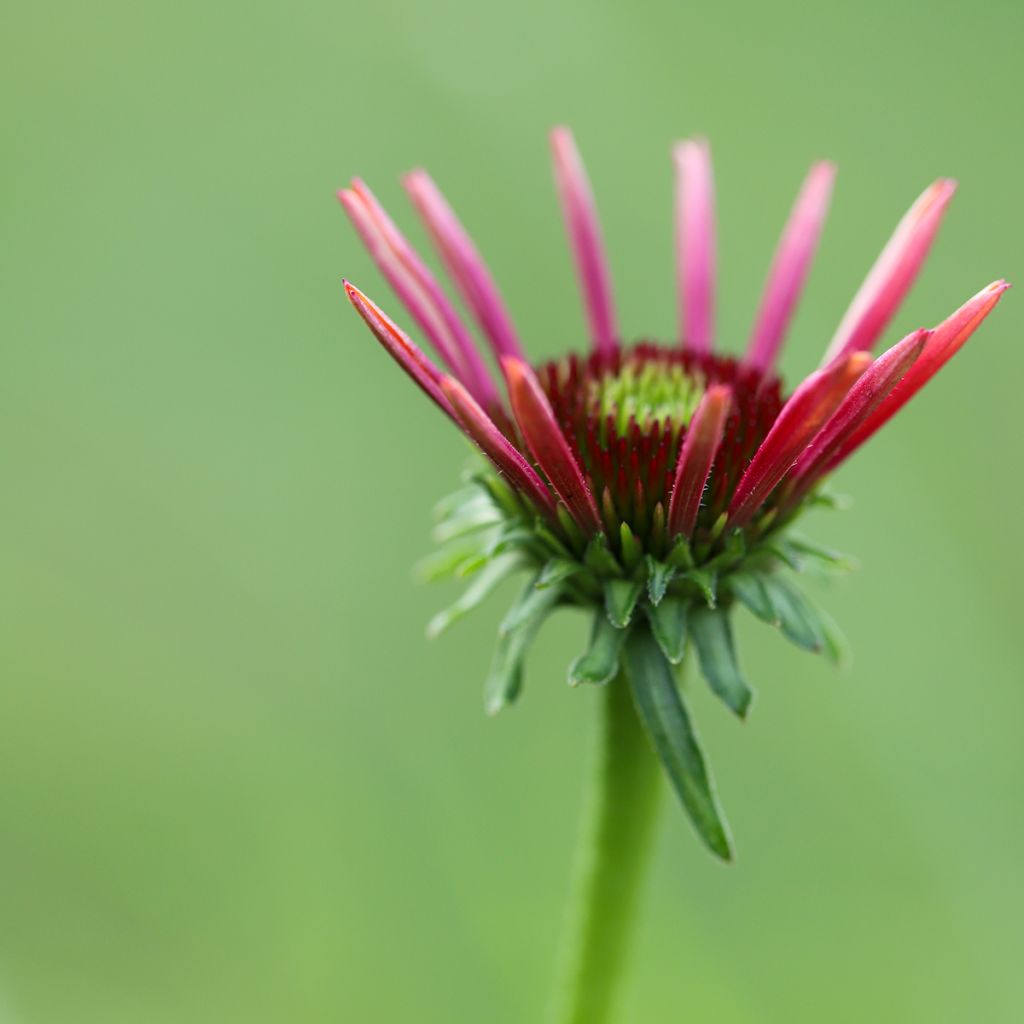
<point>656,487</point>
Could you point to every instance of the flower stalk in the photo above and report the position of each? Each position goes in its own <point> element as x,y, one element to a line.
<point>616,835</point>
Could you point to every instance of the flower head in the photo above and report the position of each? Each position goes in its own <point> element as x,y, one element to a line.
<point>656,486</point>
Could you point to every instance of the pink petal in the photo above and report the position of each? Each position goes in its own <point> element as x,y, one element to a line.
<point>464,263</point>
<point>401,348</point>
<point>418,290</point>
<point>695,243</point>
<point>703,437</point>
<point>894,272</point>
<point>943,343</point>
<point>586,240</point>
<point>801,418</point>
<point>860,402</point>
<point>496,446</point>
<point>790,265</point>
<point>551,450</point>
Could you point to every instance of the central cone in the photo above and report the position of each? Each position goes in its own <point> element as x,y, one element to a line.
<point>625,416</point>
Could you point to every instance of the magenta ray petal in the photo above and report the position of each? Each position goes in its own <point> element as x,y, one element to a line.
<point>496,446</point>
<point>808,408</point>
<point>893,273</point>
<point>942,344</point>
<point>870,390</point>
<point>586,240</point>
<point>401,348</point>
<point>703,437</point>
<point>537,422</point>
<point>418,290</point>
<point>695,243</point>
<point>790,265</point>
<point>464,263</point>
<point>406,290</point>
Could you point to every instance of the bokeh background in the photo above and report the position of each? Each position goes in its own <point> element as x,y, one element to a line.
<point>236,783</point>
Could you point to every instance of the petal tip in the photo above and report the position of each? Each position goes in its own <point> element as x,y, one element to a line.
<point>513,367</point>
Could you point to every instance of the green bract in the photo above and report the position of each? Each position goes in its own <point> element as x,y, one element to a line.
<point>647,614</point>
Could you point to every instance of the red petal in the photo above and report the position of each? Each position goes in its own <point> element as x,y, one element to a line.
<point>537,423</point>
<point>493,443</point>
<point>945,341</point>
<point>465,265</point>
<point>801,418</point>
<point>586,240</point>
<point>860,402</point>
<point>790,264</point>
<point>703,436</point>
<point>695,243</point>
<point>893,273</point>
<point>401,348</point>
<point>418,289</point>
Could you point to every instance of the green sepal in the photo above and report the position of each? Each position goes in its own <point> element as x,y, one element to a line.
<point>719,525</point>
<point>712,634</point>
<point>837,647</point>
<point>707,583</point>
<point>733,551</point>
<point>831,500</point>
<point>569,525</point>
<point>781,550</point>
<point>541,530</point>
<point>531,603</point>
<point>482,586</point>
<point>505,679</point>
<point>513,537</point>
<point>600,559</point>
<point>447,506</point>
<point>668,624</point>
<point>749,588</point>
<point>620,598</point>
<point>665,718</point>
<point>632,550</point>
<point>804,548</point>
<point>659,576</point>
<point>805,623</point>
<point>500,493</point>
<point>799,620</point>
<point>472,565</point>
<point>681,557</point>
<point>447,562</point>
<point>470,517</point>
<point>600,661</point>
<point>555,571</point>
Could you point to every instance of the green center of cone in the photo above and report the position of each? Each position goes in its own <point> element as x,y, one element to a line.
<point>652,392</point>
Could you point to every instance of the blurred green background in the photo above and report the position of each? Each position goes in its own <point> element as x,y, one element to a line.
<point>236,783</point>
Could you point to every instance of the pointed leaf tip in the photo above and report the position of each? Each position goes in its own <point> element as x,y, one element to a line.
<point>516,633</point>
<point>620,600</point>
<point>668,624</point>
<point>712,633</point>
<point>659,576</point>
<point>483,585</point>
<point>600,662</point>
<point>664,716</point>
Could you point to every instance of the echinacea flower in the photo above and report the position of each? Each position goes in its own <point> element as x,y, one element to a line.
<point>656,486</point>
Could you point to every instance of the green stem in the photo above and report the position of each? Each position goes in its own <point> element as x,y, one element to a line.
<point>615,839</point>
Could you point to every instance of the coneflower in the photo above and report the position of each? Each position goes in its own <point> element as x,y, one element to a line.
<point>655,486</point>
